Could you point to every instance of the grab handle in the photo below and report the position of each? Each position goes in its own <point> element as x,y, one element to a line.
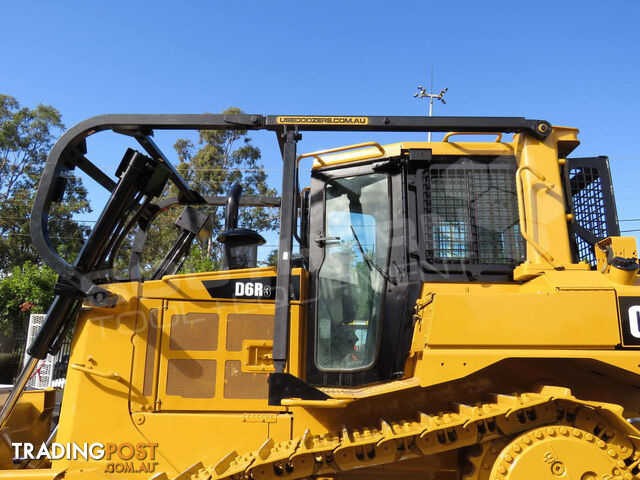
<point>451,134</point>
<point>521,210</point>
<point>97,373</point>
<point>318,155</point>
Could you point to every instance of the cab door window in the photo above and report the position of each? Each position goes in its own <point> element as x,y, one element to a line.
<point>356,240</point>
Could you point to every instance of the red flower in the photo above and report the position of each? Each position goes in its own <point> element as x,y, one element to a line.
<point>26,306</point>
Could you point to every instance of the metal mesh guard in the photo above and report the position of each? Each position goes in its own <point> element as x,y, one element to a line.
<point>587,196</point>
<point>472,214</point>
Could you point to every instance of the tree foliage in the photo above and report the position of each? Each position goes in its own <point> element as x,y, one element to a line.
<point>24,290</point>
<point>272,258</point>
<point>26,285</point>
<point>26,136</point>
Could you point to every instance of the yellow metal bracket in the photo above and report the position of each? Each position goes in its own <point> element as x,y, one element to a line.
<point>257,356</point>
<point>521,210</point>
<point>625,248</point>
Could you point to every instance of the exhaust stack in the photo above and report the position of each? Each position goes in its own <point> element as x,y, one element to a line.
<point>240,244</point>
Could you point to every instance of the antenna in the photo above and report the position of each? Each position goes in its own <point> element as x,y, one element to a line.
<point>431,89</point>
<point>422,93</point>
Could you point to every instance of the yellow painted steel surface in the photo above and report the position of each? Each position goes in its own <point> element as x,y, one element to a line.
<point>524,320</point>
<point>30,422</point>
<point>173,366</point>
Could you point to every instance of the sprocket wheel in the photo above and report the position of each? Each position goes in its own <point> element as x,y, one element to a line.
<point>561,453</point>
<point>481,457</point>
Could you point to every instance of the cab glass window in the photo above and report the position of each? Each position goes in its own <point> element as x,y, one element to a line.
<point>350,287</point>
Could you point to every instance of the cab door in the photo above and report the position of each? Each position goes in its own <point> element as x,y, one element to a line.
<point>358,282</point>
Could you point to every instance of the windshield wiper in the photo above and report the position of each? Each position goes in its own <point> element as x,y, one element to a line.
<point>370,263</point>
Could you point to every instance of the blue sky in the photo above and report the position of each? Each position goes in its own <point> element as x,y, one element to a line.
<point>572,63</point>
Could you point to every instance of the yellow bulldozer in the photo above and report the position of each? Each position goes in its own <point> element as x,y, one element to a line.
<point>459,309</point>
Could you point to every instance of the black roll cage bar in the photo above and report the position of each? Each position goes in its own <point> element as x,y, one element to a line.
<point>69,152</point>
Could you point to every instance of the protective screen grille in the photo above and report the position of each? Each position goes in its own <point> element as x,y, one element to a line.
<point>191,378</point>
<point>592,203</point>
<point>472,213</point>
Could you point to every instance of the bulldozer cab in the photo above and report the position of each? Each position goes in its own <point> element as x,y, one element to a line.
<point>385,226</point>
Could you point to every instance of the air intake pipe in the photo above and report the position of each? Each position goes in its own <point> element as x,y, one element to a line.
<point>240,244</point>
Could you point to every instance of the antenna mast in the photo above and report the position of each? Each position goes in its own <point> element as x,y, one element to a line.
<point>422,93</point>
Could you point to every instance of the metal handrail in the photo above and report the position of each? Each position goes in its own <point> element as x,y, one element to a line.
<point>451,134</point>
<point>318,155</point>
<point>97,373</point>
<point>521,210</point>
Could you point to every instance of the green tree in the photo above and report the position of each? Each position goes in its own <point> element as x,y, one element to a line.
<point>272,258</point>
<point>220,159</point>
<point>26,137</point>
<point>24,290</point>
